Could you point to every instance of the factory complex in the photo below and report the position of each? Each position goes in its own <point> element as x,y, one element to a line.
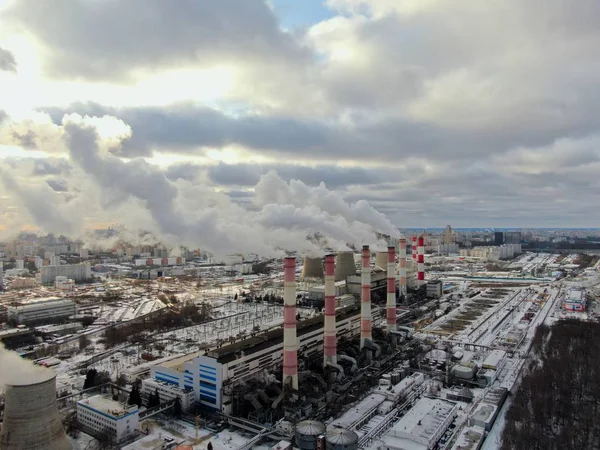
<point>411,346</point>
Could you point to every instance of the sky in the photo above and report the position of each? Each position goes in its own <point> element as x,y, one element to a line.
<point>211,123</point>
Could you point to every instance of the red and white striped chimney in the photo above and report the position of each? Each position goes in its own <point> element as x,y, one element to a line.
<point>390,305</point>
<point>421,262</point>
<point>365,297</point>
<point>414,248</point>
<point>402,270</point>
<point>290,342</point>
<point>329,337</point>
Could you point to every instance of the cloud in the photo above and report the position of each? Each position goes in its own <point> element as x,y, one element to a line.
<point>7,61</point>
<point>115,41</point>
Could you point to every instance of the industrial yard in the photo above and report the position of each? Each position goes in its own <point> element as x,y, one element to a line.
<point>374,350</point>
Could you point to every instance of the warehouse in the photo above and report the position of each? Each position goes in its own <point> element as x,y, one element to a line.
<point>422,427</point>
<point>45,311</point>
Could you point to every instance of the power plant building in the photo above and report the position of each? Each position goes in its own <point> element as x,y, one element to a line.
<point>167,392</point>
<point>103,417</point>
<point>211,376</point>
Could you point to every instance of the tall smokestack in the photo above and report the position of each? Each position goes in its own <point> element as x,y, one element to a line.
<point>329,338</point>
<point>365,297</point>
<point>290,341</point>
<point>414,248</point>
<point>391,290</point>
<point>402,271</point>
<point>421,262</point>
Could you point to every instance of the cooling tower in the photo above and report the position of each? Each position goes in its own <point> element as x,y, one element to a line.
<point>31,420</point>
<point>344,266</point>
<point>290,341</point>
<point>381,261</point>
<point>313,268</point>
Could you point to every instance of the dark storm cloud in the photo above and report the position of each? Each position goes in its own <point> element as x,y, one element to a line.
<point>58,185</point>
<point>112,39</point>
<point>332,176</point>
<point>7,62</point>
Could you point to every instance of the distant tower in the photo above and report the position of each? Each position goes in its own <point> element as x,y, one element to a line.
<point>365,296</point>
<point>344,266</point>
<point>290,341</point>
<point>312,268</point>
<point>448,235</point>
<point>421,262</point>
<point>391,290</point>
<point>414,248</point>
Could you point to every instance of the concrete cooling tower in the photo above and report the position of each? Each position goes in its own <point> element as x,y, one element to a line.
<point>31,420</point>
<point>312,268</point>
<point>381,261</point>
<point>344,265</point>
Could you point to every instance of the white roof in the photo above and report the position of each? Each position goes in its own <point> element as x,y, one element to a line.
<point>107,406</point>
<point>494,358</point>
<point>424,419</point>
<point>357,411</point>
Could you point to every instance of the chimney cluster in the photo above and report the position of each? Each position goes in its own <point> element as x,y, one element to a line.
<point>390,305</point>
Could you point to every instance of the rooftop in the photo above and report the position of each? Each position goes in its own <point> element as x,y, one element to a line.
<point>107,406</point>
<point>424,419</point>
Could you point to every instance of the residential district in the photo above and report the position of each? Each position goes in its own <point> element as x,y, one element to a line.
<point>414,346</point>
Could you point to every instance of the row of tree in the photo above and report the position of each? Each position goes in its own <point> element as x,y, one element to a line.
<point>558,401</point>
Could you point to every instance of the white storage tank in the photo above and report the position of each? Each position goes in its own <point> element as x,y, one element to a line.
<point>341,439</point>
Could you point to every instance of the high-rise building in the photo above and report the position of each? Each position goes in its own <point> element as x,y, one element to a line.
<point>512,237</point>
<point>498,238</point>
<point>448,239</point>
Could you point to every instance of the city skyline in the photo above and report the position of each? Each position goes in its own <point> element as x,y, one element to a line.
<point>185,120</point>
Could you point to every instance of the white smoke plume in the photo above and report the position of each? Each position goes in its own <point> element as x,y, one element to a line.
<point>140,196</point>
<point>15,370</point>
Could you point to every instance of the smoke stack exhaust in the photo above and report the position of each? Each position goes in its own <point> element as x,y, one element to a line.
<point>421,262</point>
<point>414,248</point>
<point>290,341</point>
<point>402,267</point>
<point>329,337</point>
<point>391,290</point>
<point>365,297</point>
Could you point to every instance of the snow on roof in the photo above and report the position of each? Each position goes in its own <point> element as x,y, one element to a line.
<point>493,359</point>
<point>107,406</point>
<point>355,413</point>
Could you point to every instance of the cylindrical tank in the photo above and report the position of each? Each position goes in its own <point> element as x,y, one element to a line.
<point>307,433</point>
<point>341,439</point>
<point>464,372</point>
<point>312,268</point>
<point>344,266</point>
<point>31,419</point>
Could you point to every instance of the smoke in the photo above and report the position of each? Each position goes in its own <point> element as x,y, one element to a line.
<point>285,216</point>
<point>18,371</point>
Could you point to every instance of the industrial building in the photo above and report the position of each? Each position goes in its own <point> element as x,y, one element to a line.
<point>45,311</point>
<point>493,253</point>
<point>168,391</point>
<point>575,300</point>
<point>76,272</point>
<point>13,338</point>
<point>209,375</point>
<point>31,418</point>
<point>434,289</point>
<point>100,416</point>
<point>422,427</point>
